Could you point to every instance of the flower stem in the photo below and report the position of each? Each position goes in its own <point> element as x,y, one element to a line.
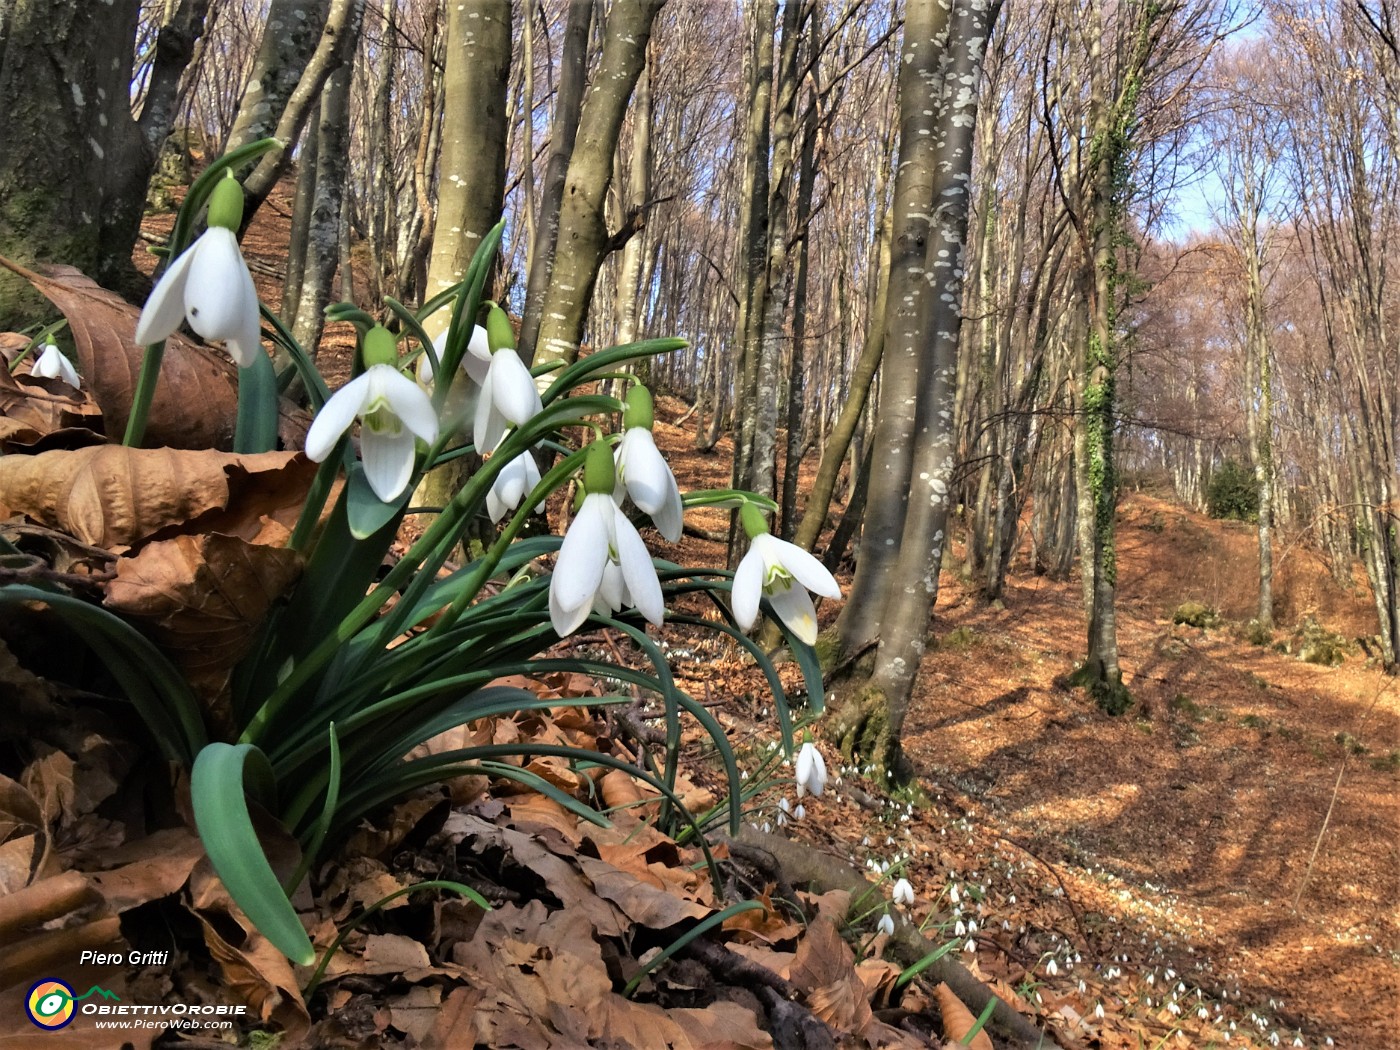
<point>145,394</point>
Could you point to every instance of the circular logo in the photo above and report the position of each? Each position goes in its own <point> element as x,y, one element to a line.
<point>50,1004</point>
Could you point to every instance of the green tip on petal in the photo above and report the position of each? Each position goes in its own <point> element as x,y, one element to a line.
<point>379,347</point>
<point>499,334</point>
<point>599,474</point>
<point>638,412</point>
<point>753,521</point>
<point>226,203</point>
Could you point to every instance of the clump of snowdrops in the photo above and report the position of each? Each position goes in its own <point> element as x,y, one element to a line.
<point>358,665</point>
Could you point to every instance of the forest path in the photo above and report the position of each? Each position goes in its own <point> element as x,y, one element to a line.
<point>1191,820</point>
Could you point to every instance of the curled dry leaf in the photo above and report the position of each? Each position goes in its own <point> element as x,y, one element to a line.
<point>254,972</point>
<point>958,1020</point>
<point>115,497</point>
<point>197,397</point>
<point>38,414</point>
<point>202,598</point>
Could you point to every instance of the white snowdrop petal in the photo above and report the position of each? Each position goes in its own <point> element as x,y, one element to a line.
<point>335,417</point>
<point>806,569</point>
<point>579,568</point>
<point>406,400</point>
<point>747,589</point>
<point>513,389</point>
<point>216,300</point>
<point>644,589</point>
<point>793,606</point>
<point>388,461</point>
<point>165,307</point>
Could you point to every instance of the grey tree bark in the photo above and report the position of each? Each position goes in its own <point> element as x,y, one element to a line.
<point>76,162</point>
<point>583,239</point>
<point>871,720</point>
<point>472,171</point>
<point>568,109</point>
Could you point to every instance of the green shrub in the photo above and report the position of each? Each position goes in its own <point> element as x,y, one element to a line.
<point>1232,493</point>
<point>1195,614</point>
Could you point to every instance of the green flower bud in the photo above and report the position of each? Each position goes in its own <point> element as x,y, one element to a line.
<point>226,203</point>
<point>752,519</point>
<point>638,412</point>
<point>379,347</point>
<point>598,472</point>
<point>499,334</point>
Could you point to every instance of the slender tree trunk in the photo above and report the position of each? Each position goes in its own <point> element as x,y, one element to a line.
<point>583,240</point>
<point>472,174</point>
<point>568,109</point>
<point>341,23</point>
<point>323,233</point>
<point>912,591</point>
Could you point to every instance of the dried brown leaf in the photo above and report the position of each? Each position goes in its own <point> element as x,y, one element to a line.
<point>202,598</point>
<point>196,398</point>
<point>161,864</point>
<point>254,972</point>
<point>958,1020</point>
<point>114,497</point>
<point>37,414</point>
<point>823,957</point>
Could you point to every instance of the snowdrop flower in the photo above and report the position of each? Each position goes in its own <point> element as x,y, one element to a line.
<point>642,473</point>
<point>811,771</point>
<point>903,893</point>
<point>603,563</point>
<point>476,362</point>
<point>52,364</point>
<point>782,572</point>
<point>508,392</point>
<point>1098,1011</point>
<point>393,411</point>
<point>799,812</point>
<point>886,925</point>
<point>1052,967</point>
<point>516,480</point>
<point>209,285</point>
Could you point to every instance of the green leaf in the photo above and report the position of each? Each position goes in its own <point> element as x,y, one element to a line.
<point>366,512</point>
<point>158,692</point>
<point>256,425</point>
<point>226,829</point>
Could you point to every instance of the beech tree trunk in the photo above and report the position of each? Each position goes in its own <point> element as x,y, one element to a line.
<point>472,173</point>
<point>76,162</point>
<point>941,66</point>
<point>583,239</point>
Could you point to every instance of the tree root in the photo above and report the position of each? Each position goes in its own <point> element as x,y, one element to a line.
<point>805,866</point>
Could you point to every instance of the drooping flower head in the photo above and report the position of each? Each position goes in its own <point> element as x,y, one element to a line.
<point>516,480</point>
<point>209,285</point>
<point>903,893</point>
<point>641,471</point>
<point>508,392</point>
<point>811,771</point>
<point>52,364</point>
<point>603,564</point>
<point>475,362</point>
<point>393,410</point>
<point>783,573</point>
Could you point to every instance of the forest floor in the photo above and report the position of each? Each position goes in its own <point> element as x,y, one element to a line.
<point>1238,830</point>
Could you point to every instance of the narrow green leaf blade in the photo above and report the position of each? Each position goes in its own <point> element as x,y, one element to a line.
<point>226,829</point>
